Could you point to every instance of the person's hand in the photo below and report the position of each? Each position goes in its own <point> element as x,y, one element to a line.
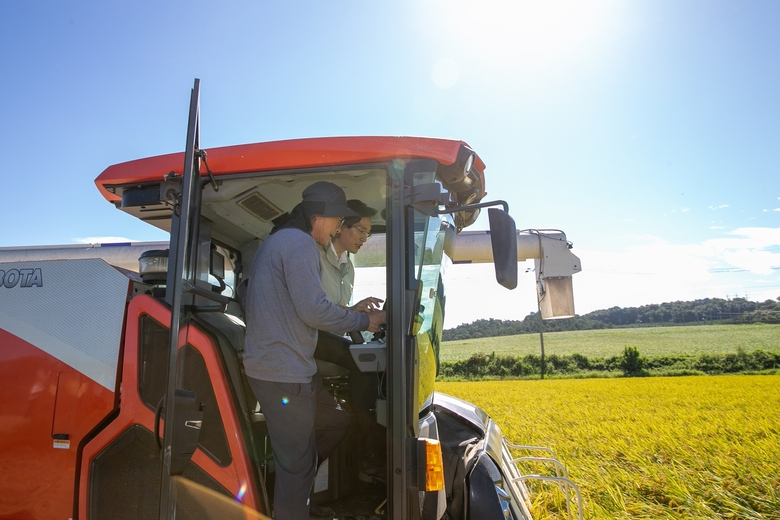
<point>367,305</point>
<point>377,318</point>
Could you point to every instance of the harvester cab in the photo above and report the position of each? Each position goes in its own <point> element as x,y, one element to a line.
<point>178,326</point>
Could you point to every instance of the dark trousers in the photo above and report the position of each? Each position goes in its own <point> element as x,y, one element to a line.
<point>305,424</point>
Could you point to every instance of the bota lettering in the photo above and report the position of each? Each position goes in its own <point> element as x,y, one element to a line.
<point>21,277</point>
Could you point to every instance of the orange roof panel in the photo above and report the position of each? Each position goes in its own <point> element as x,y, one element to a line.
<point>285,155</point>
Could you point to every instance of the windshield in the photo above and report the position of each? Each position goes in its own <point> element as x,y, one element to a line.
<point>430,265</point>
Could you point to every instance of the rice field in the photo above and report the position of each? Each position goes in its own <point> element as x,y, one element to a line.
<point>685,447</point>
<point>650,341</point>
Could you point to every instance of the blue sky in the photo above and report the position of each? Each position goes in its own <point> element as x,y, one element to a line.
<point>649,131</point>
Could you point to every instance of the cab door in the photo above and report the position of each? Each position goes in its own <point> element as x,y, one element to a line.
<point>121,467</point>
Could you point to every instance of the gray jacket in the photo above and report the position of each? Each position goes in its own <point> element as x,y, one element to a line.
<point>285,306</point>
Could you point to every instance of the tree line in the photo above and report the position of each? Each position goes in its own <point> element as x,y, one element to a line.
<point>718,310</point>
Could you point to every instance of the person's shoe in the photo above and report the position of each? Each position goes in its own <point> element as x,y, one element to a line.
<point>316,511</point>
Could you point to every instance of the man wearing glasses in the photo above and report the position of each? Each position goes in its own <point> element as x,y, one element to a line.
<point>338,272</point>
<point>338,279</point>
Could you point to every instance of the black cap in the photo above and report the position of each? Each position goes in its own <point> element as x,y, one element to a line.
<point>331,196</point>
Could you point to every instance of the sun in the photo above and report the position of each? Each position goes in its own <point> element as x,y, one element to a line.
<point>524,37</point>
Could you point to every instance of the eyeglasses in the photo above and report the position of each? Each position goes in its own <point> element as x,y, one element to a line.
<point>341,222</point>
<point>363,233</point>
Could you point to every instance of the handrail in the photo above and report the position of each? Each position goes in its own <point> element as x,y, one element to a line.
<point>560,472</point>
<point>560,480</point>
<point>530,448</point>
<point>561,475</point>
<point>223,301</point>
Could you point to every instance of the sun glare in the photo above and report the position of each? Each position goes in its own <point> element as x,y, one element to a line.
<point>517,37</point>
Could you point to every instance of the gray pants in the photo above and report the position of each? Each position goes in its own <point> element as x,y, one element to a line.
<point>305,424</point>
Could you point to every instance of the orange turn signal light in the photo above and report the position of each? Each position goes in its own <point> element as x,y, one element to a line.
<point>434,466</point>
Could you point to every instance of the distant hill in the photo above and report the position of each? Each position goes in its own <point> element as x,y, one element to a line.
<point>717,310</point>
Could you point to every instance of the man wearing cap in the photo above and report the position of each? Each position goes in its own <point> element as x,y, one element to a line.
<point>285,307</point>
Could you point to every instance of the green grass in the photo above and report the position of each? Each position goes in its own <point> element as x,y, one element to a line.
<point>650,341</point>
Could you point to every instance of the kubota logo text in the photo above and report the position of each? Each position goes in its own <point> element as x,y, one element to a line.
<point>21,277</point>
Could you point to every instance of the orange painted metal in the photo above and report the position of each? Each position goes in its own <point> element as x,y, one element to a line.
<point>133,411</point>
<point>285,155</point>
<point>42,396</point>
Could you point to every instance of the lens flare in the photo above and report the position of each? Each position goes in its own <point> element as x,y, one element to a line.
<point>285,401</point>
<point>241,492</point>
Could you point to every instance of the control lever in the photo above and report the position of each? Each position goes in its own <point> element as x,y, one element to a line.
<point>380,336</point>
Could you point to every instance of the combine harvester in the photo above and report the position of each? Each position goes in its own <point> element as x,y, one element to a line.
<point>87,353</point>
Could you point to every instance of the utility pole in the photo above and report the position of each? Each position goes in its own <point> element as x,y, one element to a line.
<point>541,331</point>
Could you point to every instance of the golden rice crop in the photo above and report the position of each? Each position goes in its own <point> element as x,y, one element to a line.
<point>687,447</point>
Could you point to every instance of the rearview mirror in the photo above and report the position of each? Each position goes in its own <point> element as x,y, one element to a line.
<point>503,239</point>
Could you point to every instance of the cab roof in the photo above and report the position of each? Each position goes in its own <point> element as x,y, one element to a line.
<point>284,155</point>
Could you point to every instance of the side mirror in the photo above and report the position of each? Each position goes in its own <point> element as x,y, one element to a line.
<point>503,238</point>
